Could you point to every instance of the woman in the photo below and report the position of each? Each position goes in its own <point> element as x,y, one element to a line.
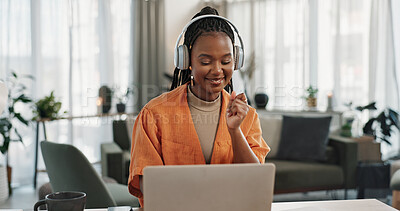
<point>198,122</point>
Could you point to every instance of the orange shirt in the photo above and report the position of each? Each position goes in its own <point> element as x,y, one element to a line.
<point>164,134</point>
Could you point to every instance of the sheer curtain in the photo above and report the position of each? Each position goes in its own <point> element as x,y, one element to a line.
<point>346,47</point>
<point>16,55</point>
<point>298,43</point>
<point>384,78</point>
<point>343,29</point>
<point>356,45</point>
<point>275,32</point>
<point>72,47</point>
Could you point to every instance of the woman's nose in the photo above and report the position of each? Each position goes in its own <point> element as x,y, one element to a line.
<point>217,67</point>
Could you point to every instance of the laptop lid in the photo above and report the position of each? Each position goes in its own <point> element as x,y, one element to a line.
<point>230,187</point>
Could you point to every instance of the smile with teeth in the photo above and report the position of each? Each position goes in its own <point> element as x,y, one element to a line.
<point>216,80</point>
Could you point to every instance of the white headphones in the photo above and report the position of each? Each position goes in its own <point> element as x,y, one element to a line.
<point>181,55</point>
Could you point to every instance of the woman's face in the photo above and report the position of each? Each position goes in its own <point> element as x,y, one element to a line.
<point>212,64</point>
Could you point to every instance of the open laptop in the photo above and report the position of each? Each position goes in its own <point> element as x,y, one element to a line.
<point>230,187</point>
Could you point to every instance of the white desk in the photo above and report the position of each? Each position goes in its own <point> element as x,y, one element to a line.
<point>334,205</point>
<point>342,205</point>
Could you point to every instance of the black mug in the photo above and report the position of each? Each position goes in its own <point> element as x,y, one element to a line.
<point>63,201</point>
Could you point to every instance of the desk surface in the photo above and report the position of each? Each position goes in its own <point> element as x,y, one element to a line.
<point>350,205</point>
<point>334,205</point>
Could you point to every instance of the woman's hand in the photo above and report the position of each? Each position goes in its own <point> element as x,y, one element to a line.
<point>236,111</point>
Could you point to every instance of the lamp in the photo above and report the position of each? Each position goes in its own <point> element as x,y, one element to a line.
<point>3,96</point>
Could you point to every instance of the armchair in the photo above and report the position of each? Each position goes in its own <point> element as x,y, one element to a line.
<point>69,170</point>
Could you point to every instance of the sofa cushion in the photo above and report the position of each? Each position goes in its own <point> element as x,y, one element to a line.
<point>271,131</point>
<point>303,176</point>
<point>304,138</point>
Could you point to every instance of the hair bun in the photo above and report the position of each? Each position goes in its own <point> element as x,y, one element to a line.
<point>206,11</point>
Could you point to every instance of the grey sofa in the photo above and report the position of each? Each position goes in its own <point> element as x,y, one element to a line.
<point>115,156</point>
<point>337,172</point>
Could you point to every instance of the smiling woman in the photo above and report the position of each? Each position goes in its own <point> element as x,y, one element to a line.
<point>212,65</point>
<point>198,121</point>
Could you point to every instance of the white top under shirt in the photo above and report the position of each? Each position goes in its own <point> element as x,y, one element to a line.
<point>205,116</point>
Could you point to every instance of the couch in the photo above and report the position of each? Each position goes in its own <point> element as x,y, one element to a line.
<point>338,171</point>
<point>115,156</point>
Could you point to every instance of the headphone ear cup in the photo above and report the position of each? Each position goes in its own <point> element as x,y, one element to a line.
<point>239,57</point>
<point>182,59</point>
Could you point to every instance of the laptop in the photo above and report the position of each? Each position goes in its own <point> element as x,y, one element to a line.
<point>230,187</point>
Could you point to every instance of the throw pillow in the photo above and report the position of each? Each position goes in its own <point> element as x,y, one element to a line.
<point>271,127</point>
<point>304,138</point>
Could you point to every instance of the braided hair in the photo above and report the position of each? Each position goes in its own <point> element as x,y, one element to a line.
<point>194,31</point>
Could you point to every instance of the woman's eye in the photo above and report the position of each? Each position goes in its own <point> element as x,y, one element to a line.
<point>205,63</point>
<point>226,62</point>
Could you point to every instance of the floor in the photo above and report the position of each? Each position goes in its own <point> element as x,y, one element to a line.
<point>25,197</point>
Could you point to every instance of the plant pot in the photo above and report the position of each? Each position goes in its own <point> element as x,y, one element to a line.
<point>261,100</point>
<point>106,109</point>
<point>106,94</point>
<point>312,102</point>
<point>4,188</point>
<point>42,114</point>
<point>121,107</point>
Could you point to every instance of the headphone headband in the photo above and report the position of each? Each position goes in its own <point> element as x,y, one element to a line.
<point>202,17</point>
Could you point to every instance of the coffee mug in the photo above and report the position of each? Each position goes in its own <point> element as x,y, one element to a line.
<point>63,201</point>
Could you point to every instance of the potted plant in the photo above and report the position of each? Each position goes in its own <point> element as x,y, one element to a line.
<point>346,128</point>
<point>47,108</point>
<point>381,126</point>
<point>311,96</point>
<point>11,116</point>
<point>105,94</point>
<point>122,97</point>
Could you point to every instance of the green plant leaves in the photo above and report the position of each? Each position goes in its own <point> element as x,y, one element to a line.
<point>312,91</point>
<point>4,147</point>
<point>370,106</point>
<point>19,135</point>
<point>394,118</point>
<point>48,107</point>
<point>5,125</point>
<point>23,98</point>
<point>383,123</point>
<point>16,95</point>
<point>368,127</point>
<point>21,119</point>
